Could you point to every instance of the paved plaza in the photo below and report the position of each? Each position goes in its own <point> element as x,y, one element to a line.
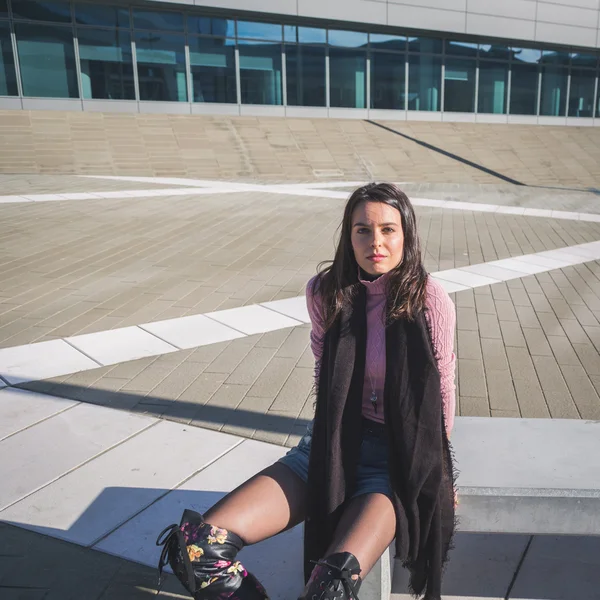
<point>164,311</point>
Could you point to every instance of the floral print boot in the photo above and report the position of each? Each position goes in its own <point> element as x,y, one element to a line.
<point>336,577</point>
<point>203,559</point>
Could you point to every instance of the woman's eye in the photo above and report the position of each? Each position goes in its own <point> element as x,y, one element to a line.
<point>388,230</point>
<point>362,230</point>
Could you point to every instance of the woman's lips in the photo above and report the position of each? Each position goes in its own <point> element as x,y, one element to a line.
<point>376,257</point>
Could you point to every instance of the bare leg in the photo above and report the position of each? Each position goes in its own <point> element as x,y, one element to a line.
<point>269,502</point>
<point>366,529</point>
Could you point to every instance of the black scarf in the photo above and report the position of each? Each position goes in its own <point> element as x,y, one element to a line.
<point>420,461</point>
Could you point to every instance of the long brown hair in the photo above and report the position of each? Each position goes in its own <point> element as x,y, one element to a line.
<point>336,281</point>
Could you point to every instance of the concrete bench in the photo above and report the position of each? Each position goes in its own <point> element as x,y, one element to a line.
<point>529,476</point>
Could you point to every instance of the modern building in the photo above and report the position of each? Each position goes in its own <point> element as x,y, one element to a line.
<point>524,61</point>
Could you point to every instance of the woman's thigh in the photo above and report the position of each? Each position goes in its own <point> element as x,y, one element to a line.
<point>268,503</point>
<point>366,529</point>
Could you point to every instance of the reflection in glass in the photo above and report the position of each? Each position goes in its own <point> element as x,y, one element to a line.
<point>3,8</point>
<point>555,57</point>
<point>211,26</point>
<point>106,64</point>
<point>584,60</point>
<point>465,49</point>
<point>424,79</point>
<point>312,35</point>
<point>493,87</point>
<point>581,93</point>
<point>212,64</point>
<point>459,85</point>
<point>554,91</point>
<point>347,39</point>
<point>523,89</point>
<point>348,78</point>
<point>161,66</point>
<point>42,10</point>
<point>526,55</point>
<point>46,61</point>
<point>260,74</point>
<point>383,41</point>
<point>259,31</point>
<point>425,44</point>
<point>494,51</point>
<point>305,72</point>
<point>387,80</point>
<point>164,21</point>
<point>103,16</point>
<point>8,77</point>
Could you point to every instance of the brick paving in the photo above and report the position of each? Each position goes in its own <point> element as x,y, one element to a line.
<point>271,148</point>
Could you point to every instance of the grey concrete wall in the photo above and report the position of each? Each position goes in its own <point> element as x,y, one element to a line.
<point>572,22</point>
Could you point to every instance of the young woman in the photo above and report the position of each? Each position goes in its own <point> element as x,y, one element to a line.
<point>375,464</point>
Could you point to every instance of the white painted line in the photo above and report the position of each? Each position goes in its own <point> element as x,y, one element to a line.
<point>20,409</point>
<point>37,456</point>
<point>512,265</point>
<point>465,278</point>
<point>90,502</point>
<point>192,331</point>
<point>544,261</point>
<point>119,345</point>
<point>495,272</point>
<point>290,307</point>
<point>449,286</point>
<point>42,361</point>
<point>253,319</point>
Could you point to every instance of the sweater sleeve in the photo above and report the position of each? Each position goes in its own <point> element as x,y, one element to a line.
<point>441,317</point>
<point>317,320</point>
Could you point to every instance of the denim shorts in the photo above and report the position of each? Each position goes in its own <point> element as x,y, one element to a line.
<point>372,472</point>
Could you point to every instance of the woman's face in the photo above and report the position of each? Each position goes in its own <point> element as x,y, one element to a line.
<point>377,237</point>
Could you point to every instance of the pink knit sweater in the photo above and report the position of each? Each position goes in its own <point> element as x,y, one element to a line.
<point>441,318</point>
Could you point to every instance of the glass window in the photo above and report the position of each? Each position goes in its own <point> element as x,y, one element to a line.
<point>106,64</point>
<point>211,26</point>
<point>3,8</point>
<point>212,62</point>
<point>42,10</point>
<point>312,35</point>
<point>164,21</point>
<point>523,89</point>
<point>494,51</point>
<point>584,60</point>
<point>259,31</point>
<point>424,44</point>
<point>493,87</point>
<point>260,73</point>
<point>554,91</point>
<point>581,93</point>
<point>383,41</point>
<point>290,33</point>
<point>348,78</point>
<point>424,80</point>
<point>47,61</point>
<point>347,39</point>
<point>104,16</point>
<point>466,49</point>
<point>305,70</point>
<point>8,77</point>
<point>459,85</point>
<point>161,66</point>
<point>387,80</point>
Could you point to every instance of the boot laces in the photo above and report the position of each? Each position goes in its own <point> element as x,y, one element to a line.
<point>339,587</point>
